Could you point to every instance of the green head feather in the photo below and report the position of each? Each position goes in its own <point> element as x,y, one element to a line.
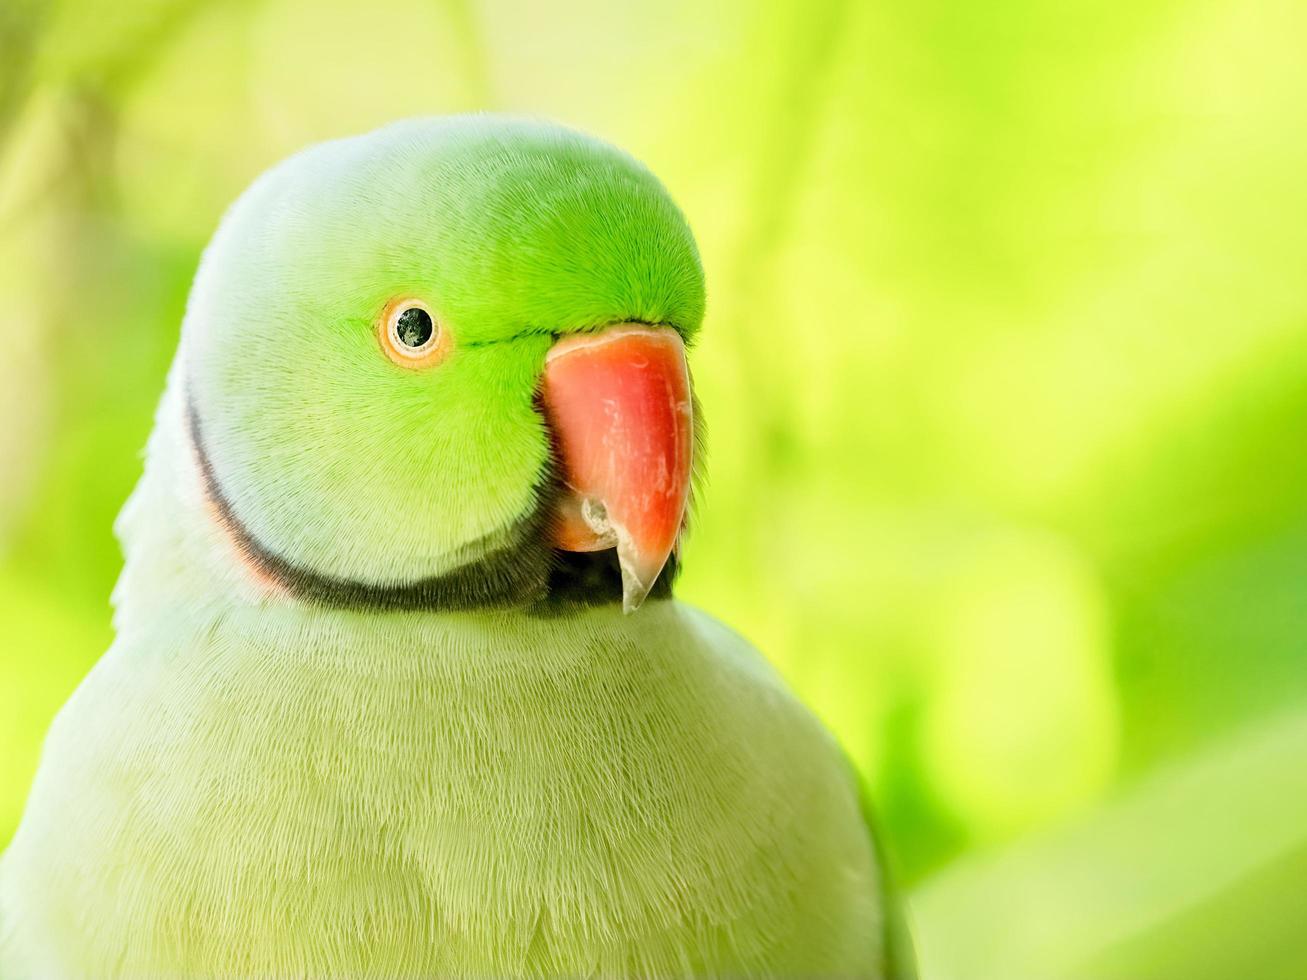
<point>357,473</point>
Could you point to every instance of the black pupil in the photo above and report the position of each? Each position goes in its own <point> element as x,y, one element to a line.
<point>414,327</point>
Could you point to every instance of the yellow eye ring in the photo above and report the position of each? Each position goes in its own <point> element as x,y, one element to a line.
<point>410,334</point>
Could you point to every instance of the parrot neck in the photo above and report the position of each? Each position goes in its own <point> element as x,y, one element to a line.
<point>182,575</point>
<point>180,555</point>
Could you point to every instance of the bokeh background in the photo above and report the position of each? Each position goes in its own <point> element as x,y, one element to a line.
<point>1005,370</point>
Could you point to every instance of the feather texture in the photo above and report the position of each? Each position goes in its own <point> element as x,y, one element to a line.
<point>257,783</point>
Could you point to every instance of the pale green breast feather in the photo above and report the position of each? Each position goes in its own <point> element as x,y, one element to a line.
<point>325,793</point>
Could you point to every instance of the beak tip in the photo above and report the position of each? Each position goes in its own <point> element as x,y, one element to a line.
<point>633,594</point>
<point>635,585</point>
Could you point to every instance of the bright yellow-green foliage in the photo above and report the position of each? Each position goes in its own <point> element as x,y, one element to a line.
<point>1004,366</point>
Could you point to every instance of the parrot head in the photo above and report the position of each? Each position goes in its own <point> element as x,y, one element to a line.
<point>442,365</point>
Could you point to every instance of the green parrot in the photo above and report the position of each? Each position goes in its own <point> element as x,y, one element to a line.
<point>399,687</point>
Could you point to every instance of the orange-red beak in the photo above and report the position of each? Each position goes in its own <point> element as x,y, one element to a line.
<point>619,405</point>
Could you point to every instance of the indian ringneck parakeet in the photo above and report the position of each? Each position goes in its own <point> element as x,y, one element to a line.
<point>399,686</point>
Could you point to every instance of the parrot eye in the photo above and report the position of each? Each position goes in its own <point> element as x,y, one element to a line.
<point>414,327</point>
<point>410,335</point>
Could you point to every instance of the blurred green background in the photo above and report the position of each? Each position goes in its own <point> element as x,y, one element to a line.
<point>1005,370</point>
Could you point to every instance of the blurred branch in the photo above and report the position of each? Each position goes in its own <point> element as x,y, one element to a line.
<point>19,26</point>
<point>807,41</point>
<point>93,86</point>
<point>476,53</point>
<point>1197,874</point>
<point>121,66</point>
